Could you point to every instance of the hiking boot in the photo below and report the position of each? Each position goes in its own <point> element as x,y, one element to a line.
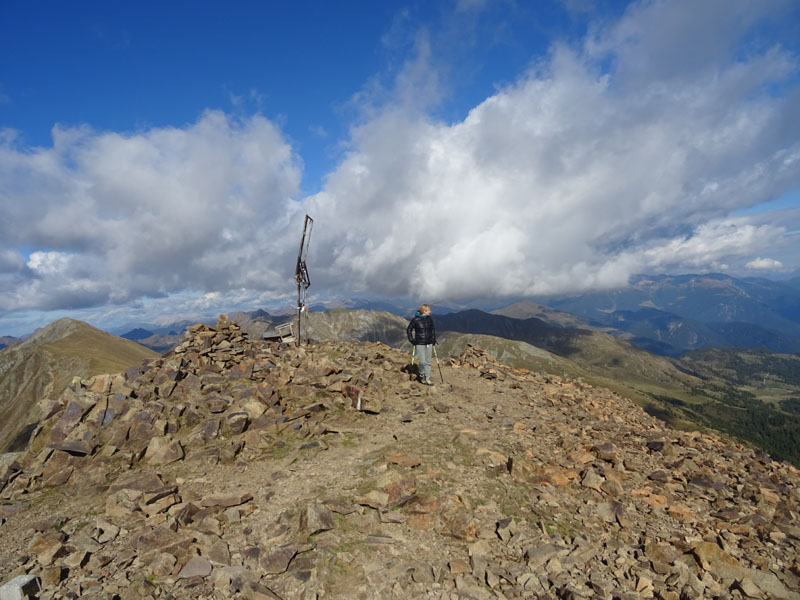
<point>427,381</point>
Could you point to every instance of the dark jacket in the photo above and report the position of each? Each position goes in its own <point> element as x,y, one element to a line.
<point>420,330</point>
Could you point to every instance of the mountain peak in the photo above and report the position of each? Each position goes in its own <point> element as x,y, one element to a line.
<point>57,330</point>
<point>250,469</point>
<point>527,309</point>
<point>137,334</point>
<point>36,371</point>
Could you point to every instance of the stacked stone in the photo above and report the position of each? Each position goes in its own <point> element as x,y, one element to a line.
<point>216,384</point>
<point>208,400</point>
<point>489,368</point>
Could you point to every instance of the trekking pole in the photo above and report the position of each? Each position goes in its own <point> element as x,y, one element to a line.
<point>411,370</point>
<point>436,354</point>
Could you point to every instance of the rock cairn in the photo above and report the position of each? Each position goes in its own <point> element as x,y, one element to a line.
<point>236,468</point>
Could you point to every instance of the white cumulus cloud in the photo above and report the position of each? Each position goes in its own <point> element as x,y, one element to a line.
<point>48,263</point>
<point>146,214</point>
<point>578,175</point>
<point>765,264</point>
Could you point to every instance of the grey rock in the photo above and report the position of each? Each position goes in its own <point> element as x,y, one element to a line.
<point>316,518</point>
<point>226,500</point>
<point>163,450</point>
<point>196,567</point>
<point>20,587</point>
<point>592,480</point>
<point>277,561</point>
<point>506,528</point>
<point>539,555</point>
<point>74,447</point>
<point>219,553</point>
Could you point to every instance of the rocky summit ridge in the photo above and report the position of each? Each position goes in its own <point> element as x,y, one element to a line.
<point>44,364</point>
<point>237,468</point>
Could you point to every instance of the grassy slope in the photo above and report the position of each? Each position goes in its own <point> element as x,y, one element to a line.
<point>95,352</point>
<point>752,395</point>
<point>527,309</point>
<point>520,355</point>
<point>355,325</point>
<point>46,363</point>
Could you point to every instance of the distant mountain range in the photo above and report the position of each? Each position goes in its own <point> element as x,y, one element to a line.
<point>8,340</point>
<point>163,338</point>
<point>664,314</point>
<point>671,315</point>
<point>137,334</point>
<point>137,331</point>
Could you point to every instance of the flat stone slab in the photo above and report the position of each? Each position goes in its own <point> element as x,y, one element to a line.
<point>226,500</point>
<point>144,482</point>
<point>19,588</point>
<point>75,448</point>
<point>196,567</point>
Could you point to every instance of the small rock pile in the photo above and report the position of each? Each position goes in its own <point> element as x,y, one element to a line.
<point>237,468</point>
<point>217,384</point>
<point>216,394</point>
<point>488,367</point>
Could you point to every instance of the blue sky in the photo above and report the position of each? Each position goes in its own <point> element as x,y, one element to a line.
<point>156,159</point>
<point>131,66</point>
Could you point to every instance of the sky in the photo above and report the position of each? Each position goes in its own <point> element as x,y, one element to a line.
<point>157,159</point>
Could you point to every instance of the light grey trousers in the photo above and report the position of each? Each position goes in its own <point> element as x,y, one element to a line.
<point>424,355</point>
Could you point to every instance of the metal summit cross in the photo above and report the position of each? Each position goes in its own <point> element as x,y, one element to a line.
<point>301,274</point>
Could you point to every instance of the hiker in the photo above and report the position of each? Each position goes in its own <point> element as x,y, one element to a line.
<point>422,335</point>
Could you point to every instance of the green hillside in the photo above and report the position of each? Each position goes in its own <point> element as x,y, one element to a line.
<point>753,395</point>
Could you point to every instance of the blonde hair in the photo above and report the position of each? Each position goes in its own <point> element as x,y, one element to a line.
<point>423,308</point>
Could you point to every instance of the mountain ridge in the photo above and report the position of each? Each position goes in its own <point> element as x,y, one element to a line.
<point>236,468</point>
<point>42,366</point>
<point>666,387</point>
<point>727,310</point>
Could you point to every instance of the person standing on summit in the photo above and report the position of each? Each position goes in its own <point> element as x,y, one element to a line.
<point>422,335</point>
